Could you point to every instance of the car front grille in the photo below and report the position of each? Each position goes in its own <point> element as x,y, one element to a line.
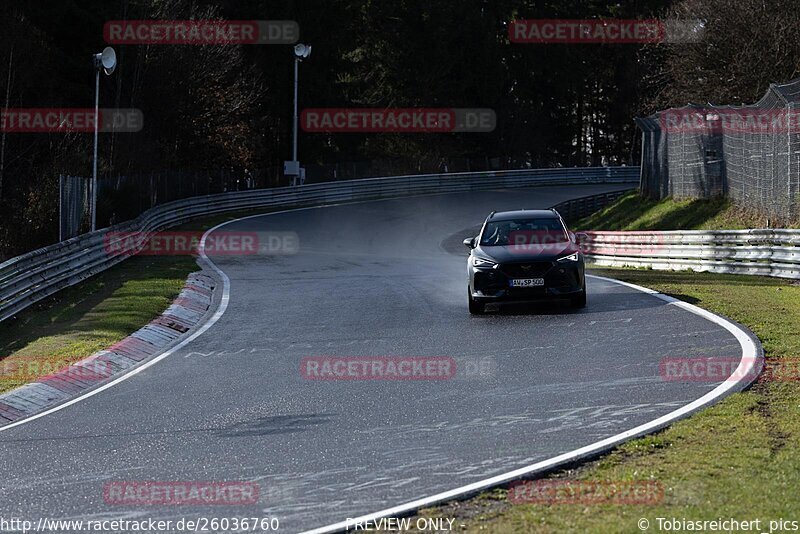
<point>528,269</point>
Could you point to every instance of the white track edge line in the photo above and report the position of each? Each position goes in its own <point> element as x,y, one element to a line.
<point>226,295</point>
<point>749,353</point>
<point>746,364</point>
<point>223,305</point>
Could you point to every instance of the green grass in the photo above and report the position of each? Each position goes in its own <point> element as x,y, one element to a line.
<point>739,458</point>
<point>89,317</point>
<point>633,212</point>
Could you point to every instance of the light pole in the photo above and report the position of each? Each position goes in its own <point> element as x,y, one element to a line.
<point>292,168</point>
<point>107,61</point>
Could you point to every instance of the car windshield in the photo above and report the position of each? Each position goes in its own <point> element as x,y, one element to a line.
<point>524,232</point>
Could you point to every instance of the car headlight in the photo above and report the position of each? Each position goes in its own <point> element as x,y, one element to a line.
<point>571,257</point>
<point>483,262</point>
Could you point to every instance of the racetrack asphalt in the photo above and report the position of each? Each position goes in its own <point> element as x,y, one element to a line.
<point>374,279</point>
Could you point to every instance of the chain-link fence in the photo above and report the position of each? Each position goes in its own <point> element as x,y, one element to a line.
<point>749,153</point>
<point>73,203</point>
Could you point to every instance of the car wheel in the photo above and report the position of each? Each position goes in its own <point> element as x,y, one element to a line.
<point>475,307</point>
<point>579,301</point>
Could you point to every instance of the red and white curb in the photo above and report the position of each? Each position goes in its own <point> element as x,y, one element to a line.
<point>185,312</point>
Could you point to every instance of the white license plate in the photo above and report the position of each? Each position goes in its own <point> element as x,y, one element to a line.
<point>527,282</point>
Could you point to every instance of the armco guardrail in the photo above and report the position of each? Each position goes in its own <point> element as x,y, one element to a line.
<point>38,274</point>
<point>767,252</point>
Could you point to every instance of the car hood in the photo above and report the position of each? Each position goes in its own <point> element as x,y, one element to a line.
<point>532,252</point>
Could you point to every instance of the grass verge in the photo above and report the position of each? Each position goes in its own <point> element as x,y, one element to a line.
<point>94,314</point>
<point>633,212</point>
<point>88,317</point>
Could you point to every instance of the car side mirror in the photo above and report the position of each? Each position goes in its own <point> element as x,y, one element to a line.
<point>469,242</point>
<point>581,238</point>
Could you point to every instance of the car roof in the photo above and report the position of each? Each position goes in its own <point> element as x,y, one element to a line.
<point>523,214</point>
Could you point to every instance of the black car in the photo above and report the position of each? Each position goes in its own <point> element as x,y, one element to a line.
<point>525,255</point>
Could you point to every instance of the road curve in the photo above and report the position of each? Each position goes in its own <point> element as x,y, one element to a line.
<point>371,279</point>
